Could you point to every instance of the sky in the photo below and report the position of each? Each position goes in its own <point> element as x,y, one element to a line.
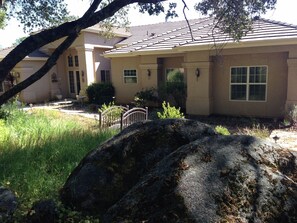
<point>285,12</point>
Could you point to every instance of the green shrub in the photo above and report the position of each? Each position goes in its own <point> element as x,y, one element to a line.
<point>175,76</point>
<point>8,109</point>
<point>169,112</point>
<point>144,97</point>
<point>222,130</point>
<point>100,93</point>
<point>115,113</point>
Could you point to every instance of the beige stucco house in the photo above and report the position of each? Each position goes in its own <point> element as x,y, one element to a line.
<point>82,64</point>
<point>254,77</point>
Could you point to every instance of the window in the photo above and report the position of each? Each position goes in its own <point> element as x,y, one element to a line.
<point>1,87</point>
<point>77,82</point>
<point>130,76</point>
<point>76,62</point>
<point>248,83</point>
<point>70,61</point>
<point>105,76</point>
<point>71,82</point>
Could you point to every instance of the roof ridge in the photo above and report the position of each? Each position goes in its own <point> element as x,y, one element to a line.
<point>277,22</point>
<point>158,23</point>
<point>162,34</point>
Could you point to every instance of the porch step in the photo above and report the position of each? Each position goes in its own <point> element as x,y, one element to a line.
<point>59,103</point>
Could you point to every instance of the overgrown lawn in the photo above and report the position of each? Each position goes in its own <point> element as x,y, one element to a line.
<point>40,148</point>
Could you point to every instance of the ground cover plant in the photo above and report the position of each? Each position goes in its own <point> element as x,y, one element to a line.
<point>40,148</point>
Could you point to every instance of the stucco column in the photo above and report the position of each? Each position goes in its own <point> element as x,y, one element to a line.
<point>149,75</point>
<point>86,64</point>
<point>199,88</point>
<point>292,82</point>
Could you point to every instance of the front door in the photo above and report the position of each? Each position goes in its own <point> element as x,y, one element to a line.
<point>74,83</point>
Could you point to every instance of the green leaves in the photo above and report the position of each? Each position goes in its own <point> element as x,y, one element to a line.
<point>37,13</point>
<point>235,17</point>
<point>169,112</point>
<point>2,19</point>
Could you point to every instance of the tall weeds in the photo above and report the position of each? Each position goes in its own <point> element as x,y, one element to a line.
<point>40,148</point>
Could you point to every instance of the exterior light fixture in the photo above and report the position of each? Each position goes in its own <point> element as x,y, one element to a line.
<point>148,72</point>
<point>197,72</point>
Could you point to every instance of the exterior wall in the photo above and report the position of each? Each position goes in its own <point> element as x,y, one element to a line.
<point>40,90</point>
<point>100,63</point>
<point>210,92</point>
<point>276,85</point>
<point>292,78</point>
<point>199,88</point>
<point>62,75</point>
<point>125,92</point>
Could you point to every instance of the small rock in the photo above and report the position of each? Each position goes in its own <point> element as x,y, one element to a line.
<point>8,204</point>
<point>44,211</point>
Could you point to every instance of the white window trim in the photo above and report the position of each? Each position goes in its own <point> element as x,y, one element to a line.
<point>248,84</point>
<point>124,75</point>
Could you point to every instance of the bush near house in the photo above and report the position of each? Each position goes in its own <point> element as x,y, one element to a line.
<point>100,93</point>
<point>170,112</point>
<point>146,97</point>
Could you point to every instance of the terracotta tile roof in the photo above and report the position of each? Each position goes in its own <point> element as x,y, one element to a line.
<point>204,34</point>
<point>36,53</point>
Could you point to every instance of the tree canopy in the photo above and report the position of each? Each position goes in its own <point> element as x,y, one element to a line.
<point>233,16</point>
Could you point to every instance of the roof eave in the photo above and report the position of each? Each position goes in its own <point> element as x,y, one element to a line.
<point>35,58</point>
<point>241,44</point>
<point>208,46</point>
<point>141,53</point>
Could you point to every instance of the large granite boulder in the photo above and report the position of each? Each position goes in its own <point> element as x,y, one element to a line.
<point>182,171</point>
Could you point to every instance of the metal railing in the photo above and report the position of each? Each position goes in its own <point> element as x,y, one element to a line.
<point>111,116</point>
<point>122,117</point>
<point>132,116</point>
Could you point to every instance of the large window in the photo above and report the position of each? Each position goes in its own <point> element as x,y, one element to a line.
<point>248,83</point>
<point>130,76</point>
<point>105,76</point>
<point>1,87</point>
